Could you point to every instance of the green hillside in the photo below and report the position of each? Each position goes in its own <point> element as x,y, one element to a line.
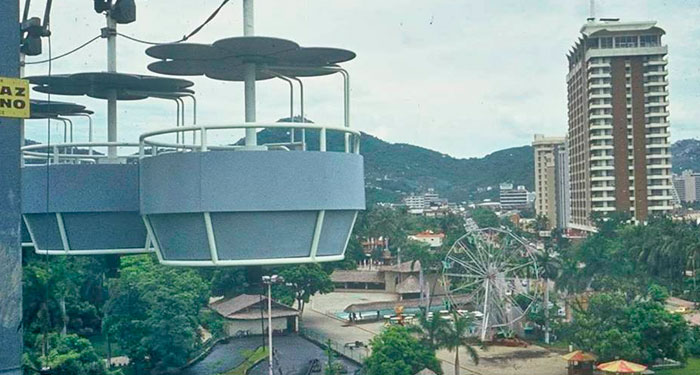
<point>395,169</point>
<point>686,155</point>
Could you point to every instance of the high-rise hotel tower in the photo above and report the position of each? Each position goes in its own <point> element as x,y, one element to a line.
<point>619,155</point>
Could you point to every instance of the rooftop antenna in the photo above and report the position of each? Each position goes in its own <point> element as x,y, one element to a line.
<point>591,11</point>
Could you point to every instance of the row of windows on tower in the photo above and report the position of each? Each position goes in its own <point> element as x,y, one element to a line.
<point>624,41</point>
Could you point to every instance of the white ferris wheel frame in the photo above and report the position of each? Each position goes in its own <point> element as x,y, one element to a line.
<point>489,272</point>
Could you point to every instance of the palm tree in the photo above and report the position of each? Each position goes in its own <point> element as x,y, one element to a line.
<point>551,266</point>
<point>454,336</point>
<point>430,329</point>
<point>428,261</point>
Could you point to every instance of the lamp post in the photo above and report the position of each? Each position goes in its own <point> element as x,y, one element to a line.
<point>269,280</point>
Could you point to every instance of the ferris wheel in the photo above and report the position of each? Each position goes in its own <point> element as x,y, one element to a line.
<point>492,274</point>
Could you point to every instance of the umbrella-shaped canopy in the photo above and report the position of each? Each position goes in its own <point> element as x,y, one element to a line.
<point>579,356</point>
<point>226,59</point>
<point>621,367</point>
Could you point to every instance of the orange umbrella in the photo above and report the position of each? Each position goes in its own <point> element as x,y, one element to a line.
<point>622,367</point>
<point>579,356</point>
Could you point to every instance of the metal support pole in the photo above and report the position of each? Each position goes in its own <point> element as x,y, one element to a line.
<point>10,250</point>
<point>67,124</point>
<point>269,322</point>
<point>485,321</point>
<point>89,130</point>
<point>251,138</point>
<point>194,117</point>
<point>291,102</point>
<point>346,106</point>
<point>112,95</point>
<point>301,111</point>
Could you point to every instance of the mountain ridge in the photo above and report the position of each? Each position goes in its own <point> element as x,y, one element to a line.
<point>393,170</point>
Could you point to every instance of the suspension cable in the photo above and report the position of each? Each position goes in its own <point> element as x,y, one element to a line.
<point>184,37</point>
<point>65,54</point>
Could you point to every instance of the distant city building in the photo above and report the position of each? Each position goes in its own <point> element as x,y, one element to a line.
<point>428,204</point>
<point>551,180</point>
<point>618,135</point>
<point>487,204</point>
<point>428,237</point>
<point>688,186</point>
<point>431,197</point>
<point>414,202</point>
<point>514,198</point>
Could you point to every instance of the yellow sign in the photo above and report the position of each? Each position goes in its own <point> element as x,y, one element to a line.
<point>14,97</point>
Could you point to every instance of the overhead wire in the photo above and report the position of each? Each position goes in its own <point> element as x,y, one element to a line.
<point>134,39</point>
<point>184,37</point>
<point>50,59</point>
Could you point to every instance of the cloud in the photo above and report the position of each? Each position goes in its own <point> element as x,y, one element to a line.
<point>462,77</point>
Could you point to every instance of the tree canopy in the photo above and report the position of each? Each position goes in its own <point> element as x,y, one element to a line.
<point>303,281</point>
<point>640,331</point>
<point>396,352</point>
<point>153,311</point>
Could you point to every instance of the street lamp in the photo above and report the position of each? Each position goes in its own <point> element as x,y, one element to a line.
<point>269,280</point>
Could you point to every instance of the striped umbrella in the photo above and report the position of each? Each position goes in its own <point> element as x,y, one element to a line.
<point>622,367</point>
<point>579,356</point>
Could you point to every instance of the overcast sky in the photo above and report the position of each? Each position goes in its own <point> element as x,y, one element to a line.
<point>461,77</point>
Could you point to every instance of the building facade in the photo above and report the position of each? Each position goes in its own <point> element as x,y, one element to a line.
<point>547,185</point>
<point>563,191</point>
<point>618,135</point>
<point>248,314</point>
<point>688,186</point>
<point>514,198</point>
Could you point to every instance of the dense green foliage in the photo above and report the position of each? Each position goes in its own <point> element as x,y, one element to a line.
<point>396,352</point>
<point>396,225</point>
<point>62,294</point>
<point>485,218</point>
<point>438,333</point>
<point>629,258</point>
<point>153,311</point>
<point>68,355</point>
<point>641,330</point>
<point>627,272</point>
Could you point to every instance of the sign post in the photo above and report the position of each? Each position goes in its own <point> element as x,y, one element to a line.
<point>10,214</point>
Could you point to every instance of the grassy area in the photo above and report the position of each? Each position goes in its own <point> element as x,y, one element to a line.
<point>692,368</point>
<point>251,360</point>
<point>557,346</point>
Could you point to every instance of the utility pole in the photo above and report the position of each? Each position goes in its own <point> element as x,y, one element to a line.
<point>10,210</point>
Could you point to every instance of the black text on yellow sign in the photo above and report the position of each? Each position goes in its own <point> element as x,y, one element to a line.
<point>14,97</point>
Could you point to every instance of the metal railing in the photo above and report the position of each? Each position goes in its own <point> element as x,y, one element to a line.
<point>354,353</point>
<point>79,153</point>
<point>351,138</point>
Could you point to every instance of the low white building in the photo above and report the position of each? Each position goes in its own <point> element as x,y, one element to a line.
<point>428,237</point>
<point>244,312</point>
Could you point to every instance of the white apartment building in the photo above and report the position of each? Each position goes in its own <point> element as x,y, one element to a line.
<point>618,135</point>
<point>551,180</point>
